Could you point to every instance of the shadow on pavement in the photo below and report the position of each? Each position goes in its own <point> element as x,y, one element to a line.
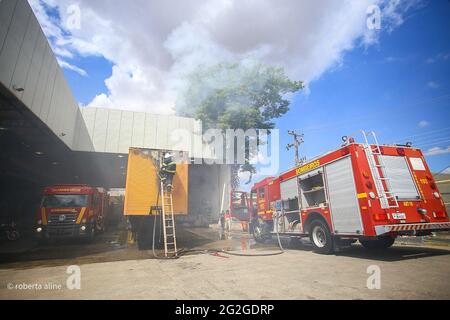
<point>107,247</point>
<point>395,253</point>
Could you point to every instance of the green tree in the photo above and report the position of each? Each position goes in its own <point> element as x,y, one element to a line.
<point>237,96</point>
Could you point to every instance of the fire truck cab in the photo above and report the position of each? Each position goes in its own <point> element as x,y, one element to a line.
<point>238,209</point>
<point>361,191</point>
<point>71,211</point>
<point>263,197</point>
<point>239,206</point>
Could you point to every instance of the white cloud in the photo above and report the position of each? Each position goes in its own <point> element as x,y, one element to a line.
<point>67,65</point>
<point>433,85</point>
<point>439,57</point>
<point>154,44</point>
<point>437,150</point>
<point>446,171</point>
<point>423,124</point>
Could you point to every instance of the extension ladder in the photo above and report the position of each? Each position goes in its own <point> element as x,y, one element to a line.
<point>378,168</point>
<point>168,219</point>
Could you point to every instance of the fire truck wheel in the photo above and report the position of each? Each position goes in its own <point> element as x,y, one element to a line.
<point>321,237</point>
<point>91,233</point>
<point>378,244</point>
<point>261,231</point>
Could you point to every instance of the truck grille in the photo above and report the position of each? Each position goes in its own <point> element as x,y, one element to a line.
<point>61,231</point>
<point>56,219</point>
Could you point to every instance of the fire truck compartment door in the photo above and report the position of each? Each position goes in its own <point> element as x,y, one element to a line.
<point>289,189</point>
<point>344,207</point>
<point>400,177</point>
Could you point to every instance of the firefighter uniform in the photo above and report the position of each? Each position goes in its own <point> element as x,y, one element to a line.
<point>167,171</point>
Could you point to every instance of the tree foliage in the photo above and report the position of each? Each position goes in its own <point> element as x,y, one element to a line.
<point>237,96</point>
<point>232,96</point>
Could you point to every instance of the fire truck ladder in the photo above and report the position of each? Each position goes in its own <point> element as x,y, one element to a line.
<point>168,219</point>
<point>378,168</point>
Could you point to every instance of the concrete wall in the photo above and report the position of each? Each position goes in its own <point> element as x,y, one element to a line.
<point>27,61</point>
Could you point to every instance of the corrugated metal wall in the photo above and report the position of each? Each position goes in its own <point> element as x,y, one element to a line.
<point>114,131</point>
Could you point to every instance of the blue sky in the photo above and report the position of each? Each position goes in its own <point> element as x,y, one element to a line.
<point>398,86</point>
<point>389,88</point>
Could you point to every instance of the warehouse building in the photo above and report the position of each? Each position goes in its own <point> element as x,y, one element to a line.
<point>46,138</point>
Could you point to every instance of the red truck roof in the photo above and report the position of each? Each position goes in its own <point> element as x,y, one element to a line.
<point>70,189</point>
<point>263,182</point>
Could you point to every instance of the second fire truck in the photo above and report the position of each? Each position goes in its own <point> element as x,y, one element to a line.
<point>362,191</point>
<point>72,211</point>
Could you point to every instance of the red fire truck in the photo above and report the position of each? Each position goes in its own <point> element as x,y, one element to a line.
<point>72,211</point>
<point>238,209</point>
<point>361,191</point>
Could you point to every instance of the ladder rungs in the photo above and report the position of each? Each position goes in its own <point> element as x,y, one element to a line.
<point>169,225</point>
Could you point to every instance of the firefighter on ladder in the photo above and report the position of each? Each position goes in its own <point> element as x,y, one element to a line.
<point>167,171</point>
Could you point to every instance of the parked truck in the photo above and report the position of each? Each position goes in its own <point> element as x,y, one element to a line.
<point>196,194</point>
<point>143,195</point>
<point>72,211</point>
<point>362,192</point>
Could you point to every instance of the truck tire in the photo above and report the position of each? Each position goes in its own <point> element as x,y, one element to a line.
<point>91,233</point>
<point>321,237</point>
<point>378,244</point>
<point>13,235</point>
<point>261,231</point>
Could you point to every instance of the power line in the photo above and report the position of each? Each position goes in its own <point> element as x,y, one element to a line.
<point>342,124</point>
<point>422,134</point>
<point>436,142</point>
<point>443,169</point>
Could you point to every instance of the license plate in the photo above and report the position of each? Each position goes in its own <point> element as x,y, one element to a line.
<point>399,216</point>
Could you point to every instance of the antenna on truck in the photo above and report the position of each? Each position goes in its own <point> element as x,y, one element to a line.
<point>298,140</point>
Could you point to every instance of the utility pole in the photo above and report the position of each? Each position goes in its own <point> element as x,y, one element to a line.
<point>298,140</point>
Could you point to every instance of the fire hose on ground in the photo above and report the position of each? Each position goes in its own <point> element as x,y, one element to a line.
<point>183,251</point>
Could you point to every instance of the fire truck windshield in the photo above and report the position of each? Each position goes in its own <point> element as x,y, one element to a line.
<point>65,200</point>
<point>239,200</point>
